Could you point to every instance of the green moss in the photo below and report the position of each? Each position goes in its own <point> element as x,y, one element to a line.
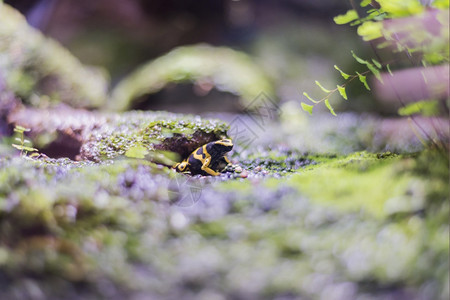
<point>212,229</point>
<point>359,181</point>
<point>180,134</point>
<point>113,222</point>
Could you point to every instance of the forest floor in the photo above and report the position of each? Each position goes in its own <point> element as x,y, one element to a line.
<point>281,222</point>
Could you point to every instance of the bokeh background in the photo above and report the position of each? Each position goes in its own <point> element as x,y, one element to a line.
<point>295,42</point>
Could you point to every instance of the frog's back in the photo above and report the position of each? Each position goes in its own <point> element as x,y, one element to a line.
<point>195,161</point>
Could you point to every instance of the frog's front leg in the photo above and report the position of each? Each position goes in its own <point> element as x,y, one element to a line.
<point>207,169</point>
<point>181,166</point>
<point>220,164</point>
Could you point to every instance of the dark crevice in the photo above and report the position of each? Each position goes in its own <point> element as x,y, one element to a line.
<point>64,145</point>
<point>184,146</point>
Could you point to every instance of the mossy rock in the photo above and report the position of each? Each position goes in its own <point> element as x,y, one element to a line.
<point>225,69</point>
<point>155,131</point>
<point>40,71</point>
<point>97,136</point>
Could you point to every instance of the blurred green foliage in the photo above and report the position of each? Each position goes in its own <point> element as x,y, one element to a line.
<point>35,66</point>
<point>408,27</point>
<point>223,68</point>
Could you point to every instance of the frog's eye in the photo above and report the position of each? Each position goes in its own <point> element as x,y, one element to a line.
<point>181,166</point>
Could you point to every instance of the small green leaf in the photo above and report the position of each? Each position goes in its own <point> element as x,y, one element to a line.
<point>434,57</point>
<point>357,22</point>
<point>136,152</point>
<point>364,3</point>
<point>363,79</point>
<point>403,8</point>
<point>330,108</point>
<point>384,44</point>
<point>20,129</point>
<point>370,30</point>
<point>343,74</point>
<point>342,91</point>
<point>376,63</point>
<point>427,108</point>
<point>351,15</point>
<point>379,17</point>
<point>375,72</point>
<point>24,148</point>
<point>306,107</point>
<point>322,88</point>
<point>29,149</point>
<point>389,69</point>
<point>360,60</point>
<point>310,99</point>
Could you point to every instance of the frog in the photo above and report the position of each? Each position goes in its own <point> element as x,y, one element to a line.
<point>207,159</point>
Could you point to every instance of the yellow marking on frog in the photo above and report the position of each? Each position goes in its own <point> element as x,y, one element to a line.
<point>201,159</point>
<point>225,142</point>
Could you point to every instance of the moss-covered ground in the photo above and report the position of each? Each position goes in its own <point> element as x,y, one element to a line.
<point>360,226</point>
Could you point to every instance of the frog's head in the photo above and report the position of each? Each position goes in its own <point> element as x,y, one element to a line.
<point>222,146</point>
<point>181,167</point>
